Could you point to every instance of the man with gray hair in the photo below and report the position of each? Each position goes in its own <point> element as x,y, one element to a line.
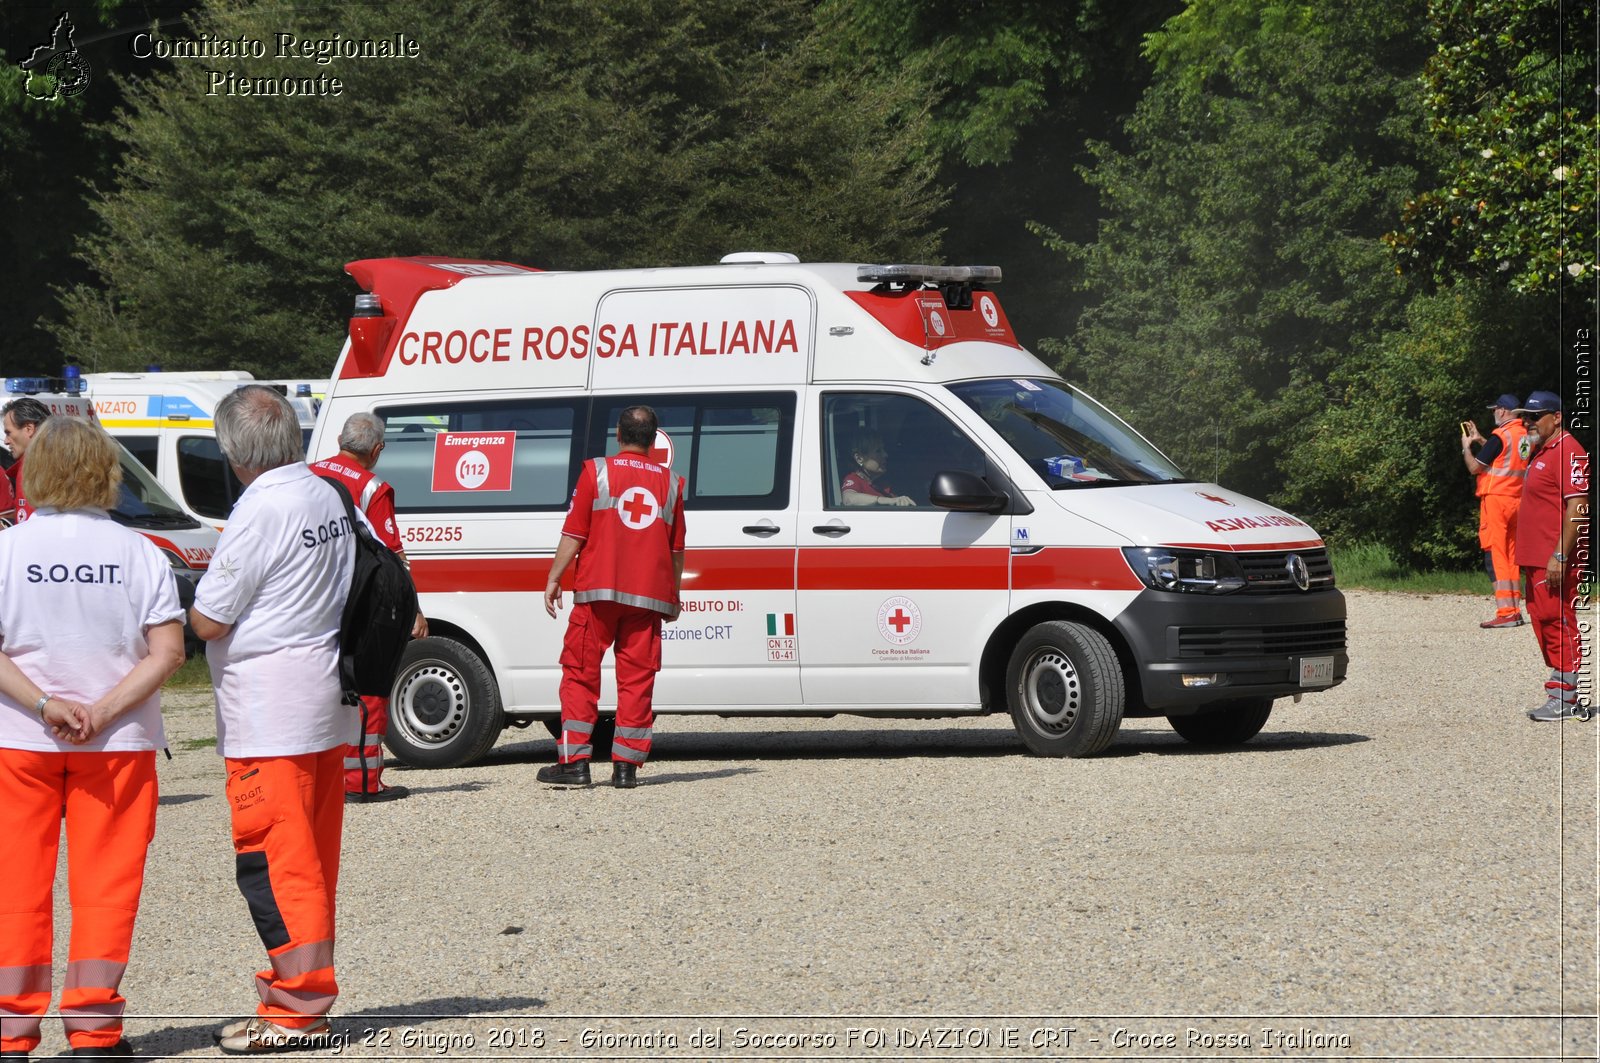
<point>360,443</point>
<point>269,607</point>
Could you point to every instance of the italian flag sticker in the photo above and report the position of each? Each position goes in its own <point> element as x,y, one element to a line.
<point>780,624</point>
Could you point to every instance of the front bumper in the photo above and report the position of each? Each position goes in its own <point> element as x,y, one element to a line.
<point>1253,643</point>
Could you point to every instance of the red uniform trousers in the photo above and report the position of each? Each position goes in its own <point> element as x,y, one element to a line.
<point>1555,624</point>
<point>1497,533</point>
<point>109,802</point>
<point>636,633</point>
<point>367,778</point>
<point>288,815</point>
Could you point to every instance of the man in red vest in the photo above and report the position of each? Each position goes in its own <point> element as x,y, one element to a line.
<point>1553,550</point>
<point>625,529</point>
<point>20,420</point>
<point>360,443</point>
<point>1500,466</point>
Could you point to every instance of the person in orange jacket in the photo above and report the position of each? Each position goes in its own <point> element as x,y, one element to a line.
<point>91,625</point>
<point>269,608</point>
<point>1500,466</point>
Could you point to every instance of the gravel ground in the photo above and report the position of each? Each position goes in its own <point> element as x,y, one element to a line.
<point>1401,867</point>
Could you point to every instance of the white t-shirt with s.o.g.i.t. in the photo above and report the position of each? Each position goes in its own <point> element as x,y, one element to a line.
<point>280,576</point>
<point>78,591</point>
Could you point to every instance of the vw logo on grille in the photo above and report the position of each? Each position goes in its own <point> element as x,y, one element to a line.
<point>1298,571</point>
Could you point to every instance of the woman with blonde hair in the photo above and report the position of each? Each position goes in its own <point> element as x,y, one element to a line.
<point>90,627</point>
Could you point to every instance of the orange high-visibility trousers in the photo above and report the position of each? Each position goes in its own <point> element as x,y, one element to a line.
<point>288,815</point>
<point>1497,533</point>
<point>109,802</point>
<point>363,762</point>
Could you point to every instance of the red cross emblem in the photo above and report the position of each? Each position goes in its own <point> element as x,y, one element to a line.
<point>899,621</point>
<point>638,508</point>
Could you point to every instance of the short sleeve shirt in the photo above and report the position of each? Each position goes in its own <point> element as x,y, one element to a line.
<point>78,592</point>
<point>280,576</point>
<point>858,482</point>
<point>1559,471</point>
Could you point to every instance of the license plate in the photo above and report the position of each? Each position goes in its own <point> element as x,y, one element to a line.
<point>1316,671</point>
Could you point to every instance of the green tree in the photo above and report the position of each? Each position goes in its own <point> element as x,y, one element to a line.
<point>1239,258</point>
<point>563,134</point>
<point>1382,461</point>
<point>1510,97</point>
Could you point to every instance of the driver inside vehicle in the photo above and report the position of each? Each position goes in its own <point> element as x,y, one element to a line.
<point>867,484</point>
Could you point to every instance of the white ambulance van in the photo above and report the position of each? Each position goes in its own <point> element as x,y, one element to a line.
<point>144,505</point>
<point>165,419</point>
<point>1043,559</point>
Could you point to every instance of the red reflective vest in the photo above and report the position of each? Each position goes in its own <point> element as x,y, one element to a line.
<point>628,512</point>
<point>371,495</point>
<point>1510,467</point>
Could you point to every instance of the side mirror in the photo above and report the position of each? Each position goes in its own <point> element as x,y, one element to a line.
<point>966,493</point>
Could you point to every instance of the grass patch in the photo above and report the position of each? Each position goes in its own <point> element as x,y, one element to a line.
<point>198,743</point>
<point>194,675</point>
<point>1371,567</point>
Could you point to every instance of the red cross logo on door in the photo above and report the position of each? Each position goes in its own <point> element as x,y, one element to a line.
<point>899,620</point>
<point>638,508</point>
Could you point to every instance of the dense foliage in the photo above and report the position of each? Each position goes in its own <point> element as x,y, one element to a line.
<point>563,134</point>
<point>1294,242</point>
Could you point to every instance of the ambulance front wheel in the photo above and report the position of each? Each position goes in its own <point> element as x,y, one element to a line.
<point>445,711</point>
<point>1065,689</point>
<point>1230,724</point>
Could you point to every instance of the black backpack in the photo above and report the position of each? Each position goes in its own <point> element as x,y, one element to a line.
<point>378,614</point>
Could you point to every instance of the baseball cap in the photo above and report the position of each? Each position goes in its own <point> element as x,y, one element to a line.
<point>1504,402</point>
<point>1540,403</point>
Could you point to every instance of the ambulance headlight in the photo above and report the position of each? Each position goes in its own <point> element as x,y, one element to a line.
<point>1194,571</point>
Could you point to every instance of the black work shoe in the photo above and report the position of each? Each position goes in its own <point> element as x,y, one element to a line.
<point>388,793</point>
<point>575,773</point>
<point>121,1050</point>
<point>624,776</point>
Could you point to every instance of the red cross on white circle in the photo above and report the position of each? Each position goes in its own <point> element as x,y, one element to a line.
<point>638,508</point>
<point>898,620</point>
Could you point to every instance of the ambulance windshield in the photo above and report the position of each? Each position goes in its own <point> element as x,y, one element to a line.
<point>1067,437</point>
<point>143,503</point>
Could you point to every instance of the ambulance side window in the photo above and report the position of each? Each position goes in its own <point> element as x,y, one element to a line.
<point>903,440</point>
<point>206,480</point>
<point>733,450</point>
<point>142,447</point>
<point>522,450</point>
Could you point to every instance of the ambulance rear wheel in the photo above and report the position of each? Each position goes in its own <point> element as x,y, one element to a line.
<point>445,711</point>
<point>1231,724</point>
<point>604,732</point>
<point>1065,689</point>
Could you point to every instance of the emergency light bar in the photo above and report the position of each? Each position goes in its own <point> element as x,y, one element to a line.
<point>33,385</point>
<point>907,274</point>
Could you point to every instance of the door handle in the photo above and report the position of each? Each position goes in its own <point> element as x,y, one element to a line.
<point>765,528</point>
<point>833,530</point>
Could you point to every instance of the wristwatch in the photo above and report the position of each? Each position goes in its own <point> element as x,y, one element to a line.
<point>1559,556</point>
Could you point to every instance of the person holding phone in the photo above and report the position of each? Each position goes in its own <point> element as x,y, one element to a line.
<point>1500,465</point>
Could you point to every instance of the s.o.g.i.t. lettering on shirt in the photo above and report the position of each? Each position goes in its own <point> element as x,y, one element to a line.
<point>81,573</point>
<point>656,339</point>
<point>323,534</point>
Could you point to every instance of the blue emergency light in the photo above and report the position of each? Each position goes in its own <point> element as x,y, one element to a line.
<point>33,385</point>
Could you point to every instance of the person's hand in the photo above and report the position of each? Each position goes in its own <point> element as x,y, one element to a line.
<point>69,720</point>
<point>897,500</point>
<point>419,626</point>
<point>552,597</point>
<point>1470,434</point>
<point>1555,573</point>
